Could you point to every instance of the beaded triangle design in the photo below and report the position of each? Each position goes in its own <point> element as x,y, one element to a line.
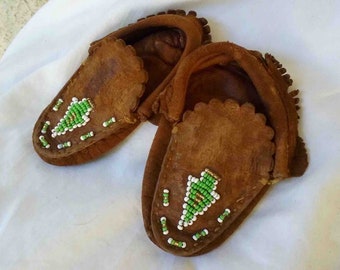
<point>199,197</point>
<point>77,115</point>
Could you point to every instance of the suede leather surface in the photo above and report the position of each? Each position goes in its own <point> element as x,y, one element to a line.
<point>231,141</point>
<point>111,95</point>
<point>89,216</point>
<point>234,129</point>
<point>118,77</point>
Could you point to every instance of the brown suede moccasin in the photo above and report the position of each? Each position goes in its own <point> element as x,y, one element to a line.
<point>228,131</point>
<point>119,81</point>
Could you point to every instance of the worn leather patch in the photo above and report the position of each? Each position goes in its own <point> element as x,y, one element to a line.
<point>231,141</point>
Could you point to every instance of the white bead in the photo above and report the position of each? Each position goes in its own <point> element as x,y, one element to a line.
<point>180,227</point>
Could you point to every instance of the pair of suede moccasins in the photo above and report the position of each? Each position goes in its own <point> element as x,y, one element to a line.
<point>227,125</point>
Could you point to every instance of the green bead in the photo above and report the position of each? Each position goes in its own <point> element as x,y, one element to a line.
<point>206,201</point>
<point>191,202</point>
<point>44,142</point>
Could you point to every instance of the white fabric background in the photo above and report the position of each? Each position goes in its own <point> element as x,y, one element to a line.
<point>89,216</point>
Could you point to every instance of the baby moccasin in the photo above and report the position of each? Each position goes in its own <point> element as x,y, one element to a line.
<point>115,87</point>
<point>228,130</point>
